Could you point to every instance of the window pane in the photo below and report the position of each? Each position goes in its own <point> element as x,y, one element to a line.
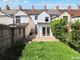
<point>48,31</point>
<point>43,29</point>
<point>36,16</point>
<point>65,17</point>
<point>17,19</point>
<point>46,19</point>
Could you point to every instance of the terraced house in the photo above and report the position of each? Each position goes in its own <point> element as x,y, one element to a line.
<point>40,18</point>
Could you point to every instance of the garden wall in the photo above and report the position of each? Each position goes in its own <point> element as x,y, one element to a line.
<point>9,36</point>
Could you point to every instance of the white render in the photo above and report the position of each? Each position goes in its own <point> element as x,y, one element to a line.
<point>24,18</point>
<point>41,17</point>
<point>65,14</point>
<point>33,18</point>
<point>41,23</point>
<point>5,19</point>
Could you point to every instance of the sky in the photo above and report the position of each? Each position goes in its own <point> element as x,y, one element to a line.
<point>39,4</point>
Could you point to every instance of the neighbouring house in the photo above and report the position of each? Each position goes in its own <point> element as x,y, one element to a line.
<point>70,14</point>
<point>16,18</point>
<point>39,19</point>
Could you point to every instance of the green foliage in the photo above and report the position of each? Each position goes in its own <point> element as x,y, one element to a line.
<point>59,31</point>
<point>48,51</point>
<point>76,35</point>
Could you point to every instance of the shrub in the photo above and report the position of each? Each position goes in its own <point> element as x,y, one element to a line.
<point>59,30</point>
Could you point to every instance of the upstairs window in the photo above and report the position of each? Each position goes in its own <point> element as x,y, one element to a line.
<point>36,16</point>
<point>46,19</point>
<point>65,17</point>
<point>17,19</point>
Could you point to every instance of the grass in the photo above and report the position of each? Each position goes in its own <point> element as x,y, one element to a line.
<point>48,51</point>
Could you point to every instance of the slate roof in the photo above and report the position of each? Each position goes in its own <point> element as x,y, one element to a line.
<point>11,11</point>
<point>73,12</point>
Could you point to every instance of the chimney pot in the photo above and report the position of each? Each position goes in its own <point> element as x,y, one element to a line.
<point>78,7</point>
<point>57,7</point>
<point>69,8</point>
<point>20,7</point>
<point>32,7</point>
<point>45,8</point>
<point>7,7</point>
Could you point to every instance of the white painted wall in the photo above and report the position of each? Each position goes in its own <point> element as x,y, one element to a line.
<point>24,19</point>
<point>33,18</point>
<point>41,17</point>
<point>75,19</point>
<point>19,13</point>
<point>65,14</point>
<point>39,27</point>
<point>6,20</point>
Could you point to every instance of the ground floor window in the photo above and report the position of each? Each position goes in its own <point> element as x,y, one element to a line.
<point>48,31</point>
<point>45,31</point>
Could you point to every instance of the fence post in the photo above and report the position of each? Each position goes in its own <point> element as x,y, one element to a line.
<point>23,32</point>
<point>12,31</point>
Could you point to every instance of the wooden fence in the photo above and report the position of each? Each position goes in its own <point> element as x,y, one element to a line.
<point>9,36</point>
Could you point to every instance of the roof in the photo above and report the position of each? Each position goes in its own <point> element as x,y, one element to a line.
<point>33,12</point>
<point>74,13</point>
<point>39,11</point>
<point>21,25</point>
<point>11,11</point>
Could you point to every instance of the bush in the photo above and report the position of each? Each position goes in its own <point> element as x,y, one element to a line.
<point>59,30</point>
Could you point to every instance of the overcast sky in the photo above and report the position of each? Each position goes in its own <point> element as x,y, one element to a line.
<point>39,4</point>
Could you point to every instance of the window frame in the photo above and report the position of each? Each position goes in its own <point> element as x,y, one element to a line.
<point>46,19</point>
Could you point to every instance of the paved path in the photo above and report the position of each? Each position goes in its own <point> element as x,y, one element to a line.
<point>45,39</point>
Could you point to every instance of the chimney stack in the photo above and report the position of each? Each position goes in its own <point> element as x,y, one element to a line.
<point>69,8</point>
<point>32,7</point>
<point>45,8</point>
<point>20,7</point>
<point>57,7</point>
<point>78,7</point>
<point>0,8</point>
<point>7,7</point>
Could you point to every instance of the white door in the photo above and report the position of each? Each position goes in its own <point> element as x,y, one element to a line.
<point>45,31</point>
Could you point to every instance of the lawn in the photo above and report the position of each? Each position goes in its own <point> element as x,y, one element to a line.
<point>48,51</point>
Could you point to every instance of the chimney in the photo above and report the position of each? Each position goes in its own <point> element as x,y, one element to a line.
<point>7,7</point>
<point>69,8</point>
<point>78,7</point>
<point>57,7</point>
<point>0,8</point>
<point>32,7</point>
<point>20,7</point>
<point>45,8</point>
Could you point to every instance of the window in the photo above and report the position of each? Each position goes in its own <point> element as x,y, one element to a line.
<point>48,31</point>
<point>43,31</point>
<point>36,16</point>
<point>65,17</point>
<point>17,19</point>
<point>46,19</point>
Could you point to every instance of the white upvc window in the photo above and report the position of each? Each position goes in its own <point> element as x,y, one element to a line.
<point>46,19</point>
<point>17,19</point>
